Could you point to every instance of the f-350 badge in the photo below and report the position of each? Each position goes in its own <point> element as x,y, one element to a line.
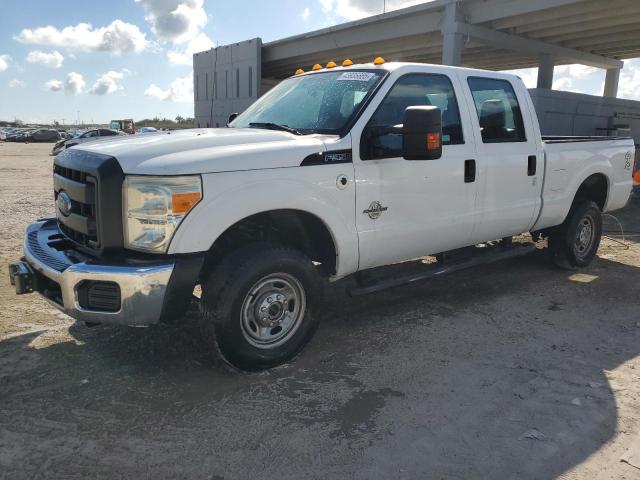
<point>375,210</point>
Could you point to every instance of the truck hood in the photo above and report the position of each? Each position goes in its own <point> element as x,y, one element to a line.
<point>207,150</point>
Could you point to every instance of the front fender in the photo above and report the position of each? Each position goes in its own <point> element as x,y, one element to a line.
<point>230,197</point>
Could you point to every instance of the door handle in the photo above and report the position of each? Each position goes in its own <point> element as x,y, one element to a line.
<point>531,165</point>
<point>469,171</point>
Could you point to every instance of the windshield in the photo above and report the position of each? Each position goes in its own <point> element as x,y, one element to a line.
<point>318,103</point>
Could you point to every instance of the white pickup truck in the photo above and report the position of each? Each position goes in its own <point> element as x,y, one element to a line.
<point>332,172</point>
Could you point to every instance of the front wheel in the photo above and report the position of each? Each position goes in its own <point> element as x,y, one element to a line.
<point>575,242</point>
<point>260,305</point>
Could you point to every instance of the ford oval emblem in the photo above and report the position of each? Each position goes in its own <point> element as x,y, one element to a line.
<point>63,202</point>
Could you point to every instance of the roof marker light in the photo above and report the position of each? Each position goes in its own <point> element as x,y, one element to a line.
<point>299,71</point>
<point>347,63</point>
<point>331,64</point>
<point>378,61</point>
<point>317,66</point>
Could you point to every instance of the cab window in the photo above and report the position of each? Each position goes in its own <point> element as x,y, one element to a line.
<point>498,110</point>
<point>414,89</point>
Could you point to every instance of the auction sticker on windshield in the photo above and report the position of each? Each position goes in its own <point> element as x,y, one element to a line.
<point>358,76</point>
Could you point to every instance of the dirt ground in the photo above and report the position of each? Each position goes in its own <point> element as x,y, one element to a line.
<point>509,371</point>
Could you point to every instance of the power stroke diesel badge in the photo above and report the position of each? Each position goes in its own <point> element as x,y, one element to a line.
<point>375,210</point>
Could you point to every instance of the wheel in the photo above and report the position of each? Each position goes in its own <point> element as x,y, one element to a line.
<point>259,305</point>
<point>576,241</point>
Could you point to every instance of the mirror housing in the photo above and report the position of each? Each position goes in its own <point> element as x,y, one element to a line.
<point>422,133</point>
<point>233,116</point>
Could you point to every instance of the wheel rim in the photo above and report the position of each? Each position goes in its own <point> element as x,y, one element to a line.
<point>273,310</point>
<point>585,235</point>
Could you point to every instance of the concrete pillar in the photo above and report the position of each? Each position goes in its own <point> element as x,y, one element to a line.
<point>611,82</point>
<point>545,72</point>
<point>452,41</point>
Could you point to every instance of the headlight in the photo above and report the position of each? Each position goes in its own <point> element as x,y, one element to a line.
<point>154,207</point>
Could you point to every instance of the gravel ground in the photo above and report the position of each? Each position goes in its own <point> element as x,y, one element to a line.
<point>509,371</point>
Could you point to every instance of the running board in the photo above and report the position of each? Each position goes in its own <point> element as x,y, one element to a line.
<point>439,269</point>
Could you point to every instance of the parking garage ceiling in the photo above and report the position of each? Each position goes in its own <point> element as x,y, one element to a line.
<point>497,35</point>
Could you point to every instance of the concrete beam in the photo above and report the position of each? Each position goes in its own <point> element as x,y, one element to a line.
<point>611,82</point>
<point>452,40</point>
<point>534,47</point>
<point>545,72</point>
<point>480,12</point>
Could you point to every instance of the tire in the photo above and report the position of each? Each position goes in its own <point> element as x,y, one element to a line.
<point>261,279</point>
<point>575,243</point>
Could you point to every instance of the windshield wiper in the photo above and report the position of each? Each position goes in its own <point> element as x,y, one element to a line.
<point>275,126</point>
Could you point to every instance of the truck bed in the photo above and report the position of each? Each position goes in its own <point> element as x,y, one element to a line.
<point>569,161</point>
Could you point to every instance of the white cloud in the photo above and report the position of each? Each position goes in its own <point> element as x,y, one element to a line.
<point>4,62</point>
<point>528,75</point>
<point>175,20</point>
<point>15,83</point>
<point>51,60</point>
<point>356,9</point>
<point>569,78</point>
<point>54,85</point>
<point>180,90</point>
<point>199,43</point>
<point>305,14</point>
<point>74,84</point>
<point>108,82</point>
<point>629,85</point>
<point>117,37</point>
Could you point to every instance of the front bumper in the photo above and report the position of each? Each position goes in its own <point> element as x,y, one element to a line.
<point>137,292</point>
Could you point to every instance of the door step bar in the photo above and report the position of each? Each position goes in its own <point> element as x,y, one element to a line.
<point>495,255</point>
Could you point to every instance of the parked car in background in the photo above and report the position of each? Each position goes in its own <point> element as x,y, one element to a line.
<point>86,136</point>
<point>20,135</point>
<point>44,135</point>
<point>147,130</point>
<point>126,125</point>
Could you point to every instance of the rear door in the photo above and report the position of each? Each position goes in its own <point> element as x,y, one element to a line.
<point>406,209</point>
<point>510,159</point>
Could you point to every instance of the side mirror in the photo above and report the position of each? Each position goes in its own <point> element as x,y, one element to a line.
<point>232,117</point>
<point>422,133</point>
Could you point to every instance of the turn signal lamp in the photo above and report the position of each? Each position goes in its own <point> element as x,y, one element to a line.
<point>299,71</point>
<point>347,63</point>
<point>331,64</point>
<point>433,141</point>
<point>378,61</point>
<point>317,66</point>
<point>182,202</point>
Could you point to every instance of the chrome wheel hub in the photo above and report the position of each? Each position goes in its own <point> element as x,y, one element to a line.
<point>272,310</point>
<point>584,236</point>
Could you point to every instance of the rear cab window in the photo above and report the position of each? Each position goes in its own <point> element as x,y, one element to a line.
<point>498,110</point>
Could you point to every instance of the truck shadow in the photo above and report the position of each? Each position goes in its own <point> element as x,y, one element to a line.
<point>505,371</point>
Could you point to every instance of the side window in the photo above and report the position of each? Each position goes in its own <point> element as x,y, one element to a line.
<point>498,110</point>
<point>413,90</point>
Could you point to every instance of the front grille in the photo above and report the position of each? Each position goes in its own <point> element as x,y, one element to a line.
<point>80,223</point>
<point>90,212</point>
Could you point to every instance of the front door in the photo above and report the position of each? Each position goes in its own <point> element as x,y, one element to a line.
<point>407,209</point>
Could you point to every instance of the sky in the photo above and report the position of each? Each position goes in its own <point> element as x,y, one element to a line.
<point>95,61</point>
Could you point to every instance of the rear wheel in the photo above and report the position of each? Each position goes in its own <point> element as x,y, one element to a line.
<point>259,305</point>
<point>575,242</point>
